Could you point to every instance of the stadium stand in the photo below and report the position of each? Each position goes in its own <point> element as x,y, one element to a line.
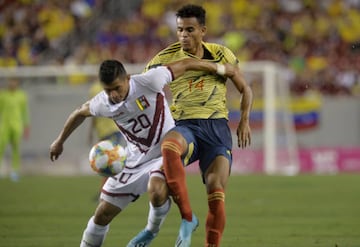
<point>318,40</point>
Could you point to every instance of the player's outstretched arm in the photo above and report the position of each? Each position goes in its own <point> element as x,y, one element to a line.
<point>243,130</point>
<point>75,119</point>
<point>181,66</point>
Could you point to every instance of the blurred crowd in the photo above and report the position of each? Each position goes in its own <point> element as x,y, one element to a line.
<point>318,40</point>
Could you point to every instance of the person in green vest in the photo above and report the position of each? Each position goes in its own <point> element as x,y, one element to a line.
<point>14,123</point>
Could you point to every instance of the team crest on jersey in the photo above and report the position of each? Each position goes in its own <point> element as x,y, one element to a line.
<point>142,102</point>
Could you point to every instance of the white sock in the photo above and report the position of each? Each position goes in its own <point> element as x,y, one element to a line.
<point>94,234</point>
<point>157,216</point>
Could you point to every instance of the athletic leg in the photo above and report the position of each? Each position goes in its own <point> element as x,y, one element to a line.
<point>159,203</point>
<point>216,178</point>
<point>117,193</point>
<point>98,225</point>
<point>15,141</point>
<point>4,138</point>
<point>159,208</point>
<point>173,147</point>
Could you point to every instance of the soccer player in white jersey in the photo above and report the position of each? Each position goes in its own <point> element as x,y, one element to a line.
<point>138,106</point>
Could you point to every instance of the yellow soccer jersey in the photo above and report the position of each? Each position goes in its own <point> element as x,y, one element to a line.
<point>197,94</point>
<point>14,110</point>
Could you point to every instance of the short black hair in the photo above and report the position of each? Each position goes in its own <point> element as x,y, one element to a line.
<point>191,10</point>
<point>110,70</point>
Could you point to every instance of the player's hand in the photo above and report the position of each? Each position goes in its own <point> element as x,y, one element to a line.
<point>56,148</point>
<point>244,134</point>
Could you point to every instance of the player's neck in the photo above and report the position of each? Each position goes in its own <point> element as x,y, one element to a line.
<point>197,52</point>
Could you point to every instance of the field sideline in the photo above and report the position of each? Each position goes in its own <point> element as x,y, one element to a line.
<point>263,211</point>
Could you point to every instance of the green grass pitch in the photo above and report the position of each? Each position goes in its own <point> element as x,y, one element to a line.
<point>262,211</point>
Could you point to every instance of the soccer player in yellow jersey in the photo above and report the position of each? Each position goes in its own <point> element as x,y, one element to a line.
<point>14,123</point>
<point>201,132</point>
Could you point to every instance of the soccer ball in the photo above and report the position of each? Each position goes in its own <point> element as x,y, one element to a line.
<point>107,159</point>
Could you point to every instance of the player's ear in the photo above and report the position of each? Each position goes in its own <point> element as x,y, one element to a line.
<point>203,30</point>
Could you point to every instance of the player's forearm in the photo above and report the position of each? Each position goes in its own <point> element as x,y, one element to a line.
<point>245,90</point>
<point>200,65</point>
<point>73,122</point>
<point>180,67</point>
<point>246,103</point>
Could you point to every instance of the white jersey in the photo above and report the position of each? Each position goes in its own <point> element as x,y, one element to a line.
<point>143,117</point>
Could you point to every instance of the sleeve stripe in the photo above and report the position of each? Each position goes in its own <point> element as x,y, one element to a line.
<point>172,74</point>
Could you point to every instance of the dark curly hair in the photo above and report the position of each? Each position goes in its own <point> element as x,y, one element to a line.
<point>192,10</point>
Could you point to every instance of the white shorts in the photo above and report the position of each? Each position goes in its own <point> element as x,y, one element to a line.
<point>127,186</point>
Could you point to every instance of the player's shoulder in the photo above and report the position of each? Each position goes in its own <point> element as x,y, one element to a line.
<point>221,52</point>
<point>171,49</point>
<point>166,55</point>
<point>211,45</point>
<point>21,93</point>
<point>151,76</point>
<point>100,98</point>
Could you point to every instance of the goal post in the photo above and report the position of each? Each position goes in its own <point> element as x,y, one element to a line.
<point>279,143</point>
